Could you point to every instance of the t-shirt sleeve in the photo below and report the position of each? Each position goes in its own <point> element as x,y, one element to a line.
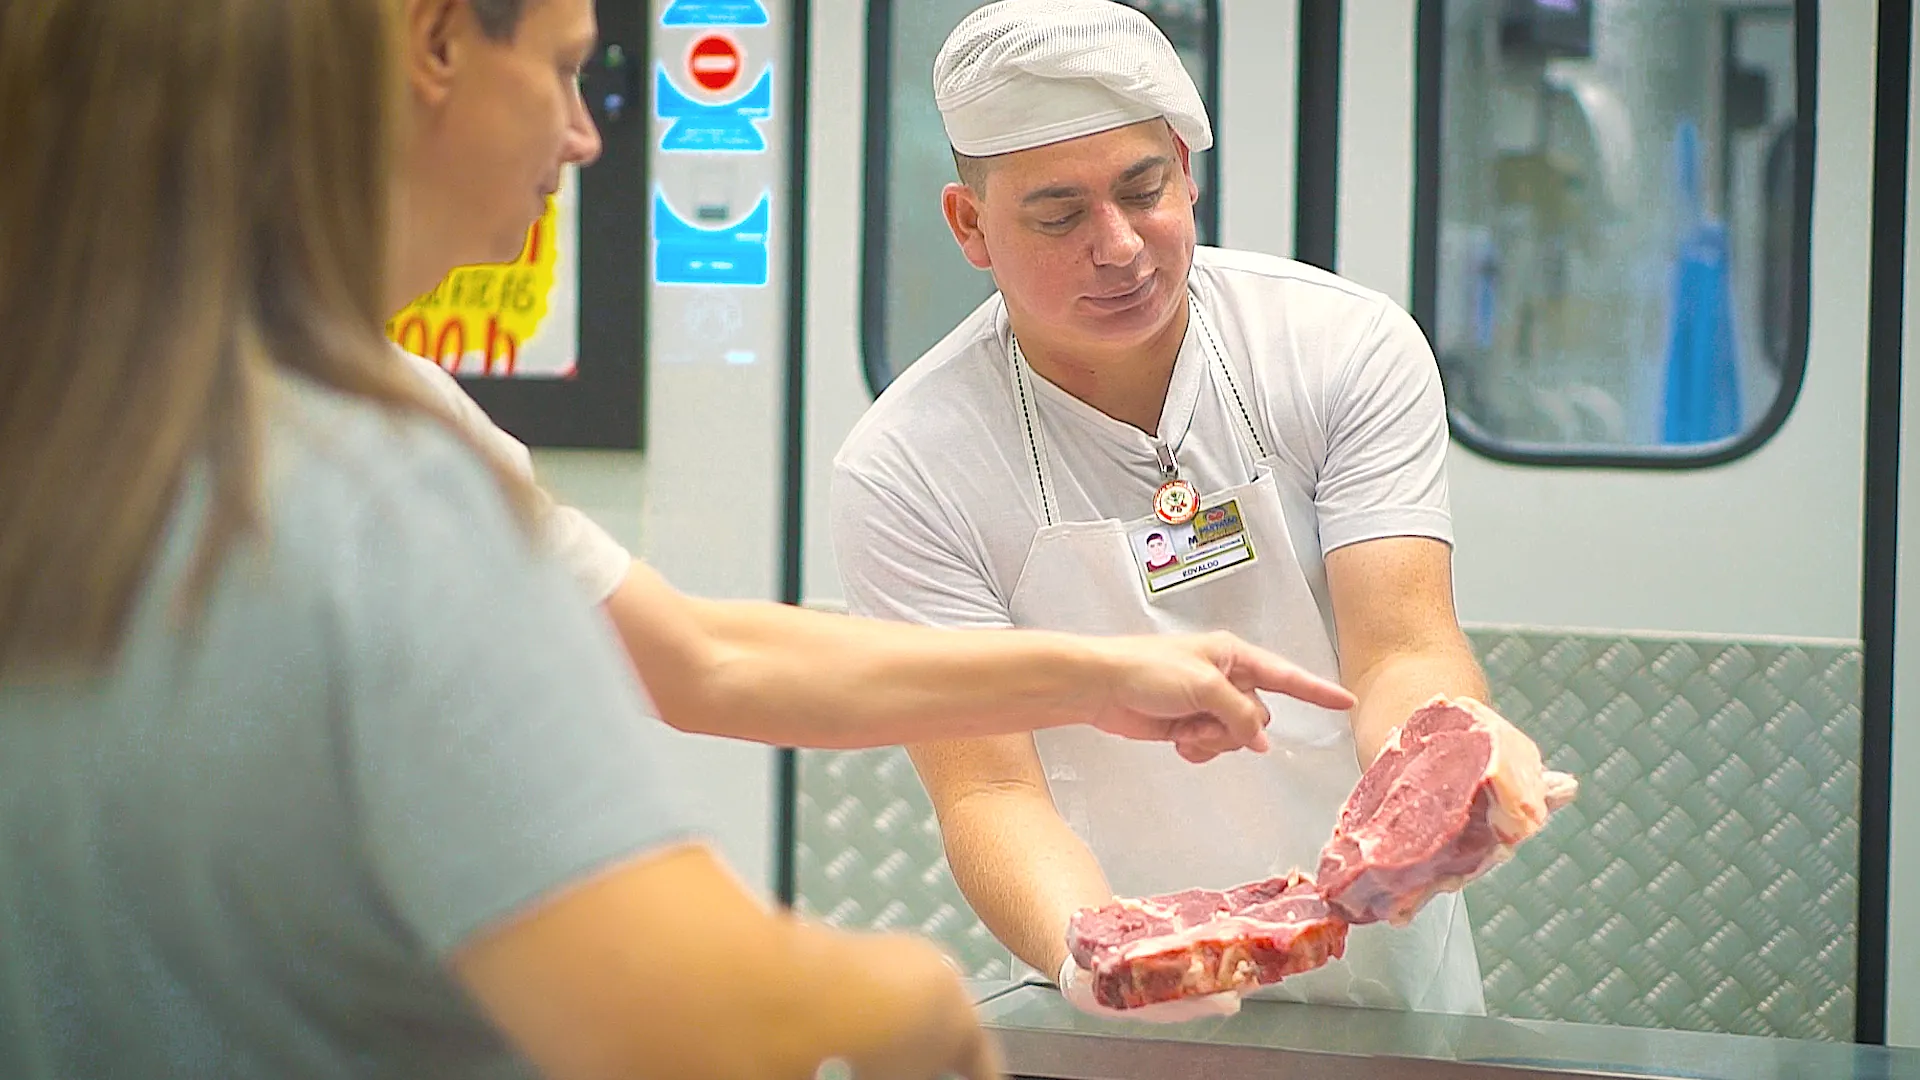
<point>494,737</point>
<point>897,560</point>
<point>596,561</point>
<point>1385,470</point>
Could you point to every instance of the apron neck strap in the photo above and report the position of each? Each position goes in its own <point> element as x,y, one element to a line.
<point>1225,383</point>
<point>1228,384</point>
<point>1029,405</point>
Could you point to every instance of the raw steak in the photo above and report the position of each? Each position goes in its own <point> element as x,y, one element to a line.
<point>1202,941</point>
<point>1448,797</point>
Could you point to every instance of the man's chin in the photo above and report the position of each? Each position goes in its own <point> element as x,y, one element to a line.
<point>1127,330</point>
<point>507,253</point>
<point>505,248</point>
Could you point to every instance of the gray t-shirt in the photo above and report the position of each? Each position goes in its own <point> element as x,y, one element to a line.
<point>246,851</point>
<point>596,560</point>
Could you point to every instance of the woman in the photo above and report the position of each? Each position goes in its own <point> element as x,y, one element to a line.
<point>263,812</point>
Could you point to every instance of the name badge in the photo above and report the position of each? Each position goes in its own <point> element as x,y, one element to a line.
<point>1170,556</point>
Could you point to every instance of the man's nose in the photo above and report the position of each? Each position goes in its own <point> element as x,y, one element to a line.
<point>583,144</point>
<point>1115,242</point>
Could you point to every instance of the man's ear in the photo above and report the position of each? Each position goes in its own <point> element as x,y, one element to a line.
<point>434,39</point>
<point>1186,167</point>
<point>962,207</point>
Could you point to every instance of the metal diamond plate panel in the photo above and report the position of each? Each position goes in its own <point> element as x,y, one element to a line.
<point>868,856</point>
<point>1705,878</point>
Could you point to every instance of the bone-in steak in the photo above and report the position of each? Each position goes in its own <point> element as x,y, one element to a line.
<point>1202,941</point>
<point>1448,797</point>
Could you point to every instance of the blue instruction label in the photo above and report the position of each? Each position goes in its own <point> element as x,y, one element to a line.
<point>726,128</point>
<point>715,13</point>
<point>686,254</point>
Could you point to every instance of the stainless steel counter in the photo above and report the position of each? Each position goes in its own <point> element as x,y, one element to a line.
<point>1045,1038</point>
<point>985,990</point>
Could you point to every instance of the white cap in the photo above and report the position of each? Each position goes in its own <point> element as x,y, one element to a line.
<point>1017,74</point>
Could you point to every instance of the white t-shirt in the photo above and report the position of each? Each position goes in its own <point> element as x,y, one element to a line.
<point>934,501</point>
<point>594,559</point>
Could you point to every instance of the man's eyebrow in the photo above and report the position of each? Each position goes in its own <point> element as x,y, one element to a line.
<point>1047,194</point>
<point>1068,191</point>
<point>1144,166</point>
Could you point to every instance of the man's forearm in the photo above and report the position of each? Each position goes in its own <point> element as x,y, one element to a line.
<point>1394,687</point>
<point>783,675</point>
<point>839,681</point>
<point>1024,872</point>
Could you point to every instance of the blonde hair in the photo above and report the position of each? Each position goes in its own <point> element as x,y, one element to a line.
<point>195,193</point>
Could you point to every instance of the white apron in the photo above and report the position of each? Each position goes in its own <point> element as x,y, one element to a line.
<point>1158,823</point>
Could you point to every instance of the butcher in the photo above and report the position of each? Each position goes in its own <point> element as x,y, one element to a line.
<point>1282,432</point>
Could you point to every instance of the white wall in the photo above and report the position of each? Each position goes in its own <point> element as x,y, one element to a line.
<point>1903,899</point>
<point>1257,138</point>
<point>836,383</point>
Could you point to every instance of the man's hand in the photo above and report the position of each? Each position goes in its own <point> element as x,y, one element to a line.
<point>1076,985</point>
<point>1198,692</point>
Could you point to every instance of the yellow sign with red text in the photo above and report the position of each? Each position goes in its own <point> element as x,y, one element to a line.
<point>481,320</point>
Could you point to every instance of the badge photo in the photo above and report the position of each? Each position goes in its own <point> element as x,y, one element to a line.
<point>1211,540</point>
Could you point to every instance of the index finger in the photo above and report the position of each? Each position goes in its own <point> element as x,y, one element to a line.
<point>1251,667</point>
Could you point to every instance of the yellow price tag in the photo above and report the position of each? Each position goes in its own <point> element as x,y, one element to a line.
<point>478,319</point>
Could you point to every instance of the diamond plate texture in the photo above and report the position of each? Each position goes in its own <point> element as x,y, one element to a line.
<point>868,856</point>
<point>1705,879</point>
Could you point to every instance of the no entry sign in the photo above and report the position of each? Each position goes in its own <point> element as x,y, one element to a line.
<point>714,62</point>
